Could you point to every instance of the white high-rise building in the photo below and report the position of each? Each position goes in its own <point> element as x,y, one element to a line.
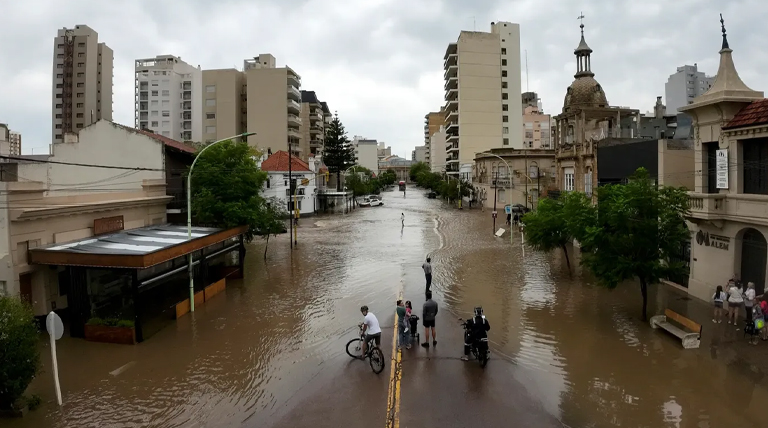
<point>169,97</point>
<point>685,85</point>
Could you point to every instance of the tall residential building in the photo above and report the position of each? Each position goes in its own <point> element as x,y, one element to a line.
<point>384,150</point>
<point>531,99</point>
<point>169,97</point>
<point>419,153</point>
<point>437,150</point>
<point>273,104</point>
<point>82,80</point>
<point>14,138</point>
<point>312,125</point>
<point>432,123</point>
<point>10,142</point>
<point>483,107</point>
<point>367,153</point>
<point>537,132</point>
<point>685,85</point>
<point>223,110</point>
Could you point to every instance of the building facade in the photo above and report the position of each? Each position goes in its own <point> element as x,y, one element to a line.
<point>684,85</point>
<point>383,150</point>
<point>367,153</point>
<point>312,125</point>
<point>10,141</point>
<point>729,206</point>
<point>433,121</point>
<point>82,80</point>
<point>169,97</point>
<point>483,107</point>
<point>437,150</point>
<point>402,167</point>
<point>223,110</point>
<point>284,186</point>
<point>586,119</point>
<point>519,177</point>
<point>537,131</point>
<point>419,154</point>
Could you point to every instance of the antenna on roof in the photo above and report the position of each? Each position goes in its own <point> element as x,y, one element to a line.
<point>526,70</point>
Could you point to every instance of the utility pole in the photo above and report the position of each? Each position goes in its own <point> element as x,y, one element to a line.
<point>525,176</point>
<point>495,194</point>
<point>290,188</point>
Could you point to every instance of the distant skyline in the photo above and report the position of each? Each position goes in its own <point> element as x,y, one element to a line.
<point>378,63</point>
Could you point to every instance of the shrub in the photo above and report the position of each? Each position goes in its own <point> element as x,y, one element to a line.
<point>110,322</point>
<point>34,401</point>
<point>18,349</point>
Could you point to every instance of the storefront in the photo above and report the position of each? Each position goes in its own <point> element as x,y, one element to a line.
<point>140,275</point>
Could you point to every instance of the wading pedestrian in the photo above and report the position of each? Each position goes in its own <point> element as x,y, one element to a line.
<point>749,300</point>
<point>718,299</point>
<point>427,266</point>
<point>429,312</point>
<point>735,302</point>
<point>402,325</point>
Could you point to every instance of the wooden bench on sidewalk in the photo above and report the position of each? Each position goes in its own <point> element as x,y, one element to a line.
<point>671,321</point>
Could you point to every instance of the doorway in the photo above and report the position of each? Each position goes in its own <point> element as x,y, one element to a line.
<point>754,250</point>
<point>25,287</point>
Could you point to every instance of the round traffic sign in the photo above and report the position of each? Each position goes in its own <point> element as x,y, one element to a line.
<point>54,325</point>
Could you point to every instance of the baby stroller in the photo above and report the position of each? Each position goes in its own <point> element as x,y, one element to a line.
<point>414,327</point>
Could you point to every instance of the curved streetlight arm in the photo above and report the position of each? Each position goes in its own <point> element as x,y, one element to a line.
<point>189,210</point>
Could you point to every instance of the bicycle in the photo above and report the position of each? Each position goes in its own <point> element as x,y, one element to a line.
<point>374,354</point>
<point>478,347</point>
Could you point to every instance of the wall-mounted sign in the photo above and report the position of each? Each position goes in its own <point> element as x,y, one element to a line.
<point>108,225</point>
<point>721,166</point>
<point>711,240</point>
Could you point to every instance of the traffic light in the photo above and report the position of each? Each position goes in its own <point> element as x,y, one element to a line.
<point>530,199</point>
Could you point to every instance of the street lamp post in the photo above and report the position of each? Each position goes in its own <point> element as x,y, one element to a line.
<point>189,211</point>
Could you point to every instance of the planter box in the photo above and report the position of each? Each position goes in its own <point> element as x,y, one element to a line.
<point>107,334</point>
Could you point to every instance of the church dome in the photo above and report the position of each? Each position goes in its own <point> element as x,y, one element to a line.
<point>585,92</point>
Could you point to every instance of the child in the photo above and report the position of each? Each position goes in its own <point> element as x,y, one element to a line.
<point>408,310</point>
<point>718,299</point>
<point>759,319</point>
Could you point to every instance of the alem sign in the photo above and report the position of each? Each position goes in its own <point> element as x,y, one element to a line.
<point>711,240</point>
<point>108,225</point>
<point>722,169</point>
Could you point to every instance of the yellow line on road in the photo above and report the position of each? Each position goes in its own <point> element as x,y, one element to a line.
<point>395,372</point>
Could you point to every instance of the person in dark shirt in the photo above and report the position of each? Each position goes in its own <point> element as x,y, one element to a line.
<point>477,328</point>
<point>429,312</point>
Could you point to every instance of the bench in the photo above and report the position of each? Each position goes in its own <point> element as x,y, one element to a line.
<point>691,339</point>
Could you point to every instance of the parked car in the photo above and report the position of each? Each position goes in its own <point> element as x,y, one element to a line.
<point>432,195</point>
<point>370,201</point>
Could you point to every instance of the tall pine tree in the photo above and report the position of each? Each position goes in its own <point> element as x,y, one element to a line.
<point>338,153</point>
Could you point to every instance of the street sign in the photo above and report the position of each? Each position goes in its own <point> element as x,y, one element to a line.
<point>494,214</point>
<point>55,330</point>
<point>508,209</point>
<point>305,182</point>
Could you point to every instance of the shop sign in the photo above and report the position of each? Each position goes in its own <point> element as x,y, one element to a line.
<point>721,166</point>
<point>108,225</point>
<point>711,240</point>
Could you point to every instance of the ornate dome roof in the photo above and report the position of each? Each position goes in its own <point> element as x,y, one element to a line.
<point>585,92</point>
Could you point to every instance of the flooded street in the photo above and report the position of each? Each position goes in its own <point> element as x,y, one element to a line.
<point>270,351</point>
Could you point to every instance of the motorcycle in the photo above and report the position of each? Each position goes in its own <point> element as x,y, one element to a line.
<point>478,347</point>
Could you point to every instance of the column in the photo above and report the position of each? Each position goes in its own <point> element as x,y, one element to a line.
<point>137,306</point>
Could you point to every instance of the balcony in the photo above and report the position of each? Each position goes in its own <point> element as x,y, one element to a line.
<point>450,72</point>
<point>452,129</point>
<point>452,94</point>
<point>315,144</point>
<point>294,120</point>
<point>293,78</point>
<point>186,96</point>
<point>294,133</point>
<point>451,105</point>
<point>294,93</point>
<point>736,207</point>
<point>452,117</point>
<point>294,107</point>
<point>452,138</point>
<point>451,60</point>
<point>451,83</point>
<point>450,148</point>
<point>187,86</point>
<point>187,105</point>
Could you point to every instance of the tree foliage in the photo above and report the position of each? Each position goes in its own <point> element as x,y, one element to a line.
<point>362,181</point>
<point>418,168</point>
<point>226,188</point>
<point>551,225</point>
<point>388,177</point>
<point>270,220</point>
<point>18,349</point>
<point>338,153</point>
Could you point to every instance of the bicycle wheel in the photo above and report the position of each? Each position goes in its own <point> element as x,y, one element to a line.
<point>377,360</point>
<point>355,348</point>
<point>483,359</point>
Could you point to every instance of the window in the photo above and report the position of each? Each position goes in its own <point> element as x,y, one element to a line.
<point>505,107</point>
<point>80,95</point>
<point>166,123</point>
<point>504,85</point>
<point>79,125</point>
<point>80,85</point>
<point>166,82</point>
<point>166,113</point>
<point>59,65</point>
<point>755,166</point>
<point>153,103</point>
<point>568,181</point>
<point>503,62</point>
<point>154,83</point>
<point>505,130</point>
<point>3,288</point>
<point>60,56</point>
<point>166,92</point>
<point>154,124</point>
<point>59,85</point>
<point>59,105</point>
<point>80,64</point>
<point>268,183</point>
<point>210,102</point>
<point>80,74</point>
<point>529,134</point>
<point>210,115</point>
<point>58,136</point>
<point>505,142</point>
<point>588,183</point>
<point>155,93</point>
<point>210,129</point>
<point>528,125</point>
<point>58,126</point>
<point>153,113</point>
<point>166,103</point>
<point>81,45</point>
<point>503,51</point>
<point>79,115</point>
<point>59,76</point>
<point>81,55</point>
<point>58,95</point>
<point>79,105</point>
<point>505,118</point>
<point>210,88</point>
<point>504,96</point>
<point>503,73</point>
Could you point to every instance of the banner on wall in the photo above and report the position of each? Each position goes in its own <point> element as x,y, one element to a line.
<point>721,166</point>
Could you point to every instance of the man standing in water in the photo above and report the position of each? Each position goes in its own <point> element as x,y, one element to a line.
<point>402,219</point>
<point>427,266</point>
<point>429,312</point>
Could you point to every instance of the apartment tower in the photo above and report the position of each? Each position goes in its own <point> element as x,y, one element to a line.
<point>82,80</point>
<point>223,109</point>
<point>483,107</point>
<point>432,123</point>
<point>686,84</point>
<point>168,97</point>
<point>312,125</point>
<point>273,105</point>
<point>537,133</point>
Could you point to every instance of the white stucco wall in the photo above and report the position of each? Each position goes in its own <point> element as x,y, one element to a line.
<point>278,184</point>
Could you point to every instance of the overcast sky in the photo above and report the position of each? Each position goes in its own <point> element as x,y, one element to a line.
<point>377,62</point>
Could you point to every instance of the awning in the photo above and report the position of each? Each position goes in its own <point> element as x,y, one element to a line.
<point>136,248</point>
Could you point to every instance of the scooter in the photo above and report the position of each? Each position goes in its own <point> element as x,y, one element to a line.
<point>479,348</point>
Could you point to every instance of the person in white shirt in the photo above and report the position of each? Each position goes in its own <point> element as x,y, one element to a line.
<point>371,329</point>
<point>735,302</point>
<point>749,300</point>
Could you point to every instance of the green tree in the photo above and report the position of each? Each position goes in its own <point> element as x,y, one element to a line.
<point>388,177</point>
<point>338,153</point>
<point>633,232</point>
<point>270,220</point>
<point>226,187</point>
<point>18,349</point>
<point>550,226</point>
<point>417,168</point>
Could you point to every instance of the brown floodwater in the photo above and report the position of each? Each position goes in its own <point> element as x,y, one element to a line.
<point>273,340</point>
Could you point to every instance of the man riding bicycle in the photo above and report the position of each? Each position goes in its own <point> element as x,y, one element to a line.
<point>477,329</point>
<point>371,329</point>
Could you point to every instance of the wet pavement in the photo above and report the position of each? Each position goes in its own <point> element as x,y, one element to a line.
<point>270,351</point>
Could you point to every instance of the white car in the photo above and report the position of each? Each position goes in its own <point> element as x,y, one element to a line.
<point>371,201</point>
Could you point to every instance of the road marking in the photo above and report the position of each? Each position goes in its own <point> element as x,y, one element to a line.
<point>395,372</point>
<point>123,368</point>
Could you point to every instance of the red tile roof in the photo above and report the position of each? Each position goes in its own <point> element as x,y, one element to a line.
<point>168,142</point>
<point>278,162</point>
<point>754,114</point>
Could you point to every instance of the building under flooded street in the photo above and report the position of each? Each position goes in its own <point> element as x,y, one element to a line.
<point>269,351</point>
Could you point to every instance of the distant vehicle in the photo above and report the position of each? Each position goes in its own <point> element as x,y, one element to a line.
<point>519,208</point>
<point>432,195</point>
<point>370,201</point>
<point>402,186</point>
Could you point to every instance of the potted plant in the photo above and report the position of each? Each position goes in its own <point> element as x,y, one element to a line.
<point>110,330</point>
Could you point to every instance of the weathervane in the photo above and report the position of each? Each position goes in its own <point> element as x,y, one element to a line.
<point>722,26</point>
<point>581,18</point>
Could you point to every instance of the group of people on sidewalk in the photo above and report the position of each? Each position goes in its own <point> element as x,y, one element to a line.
<point>755,308</point>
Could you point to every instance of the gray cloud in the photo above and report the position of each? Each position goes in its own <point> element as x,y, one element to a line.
<point>378,62</point>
